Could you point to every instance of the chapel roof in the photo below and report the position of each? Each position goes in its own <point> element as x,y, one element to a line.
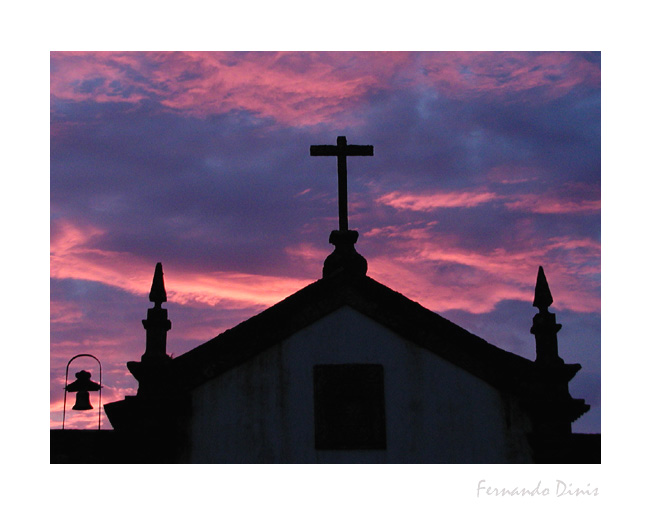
<point>406,318</point>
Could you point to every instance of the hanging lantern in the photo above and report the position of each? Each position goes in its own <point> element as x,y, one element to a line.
<point>82,386</point>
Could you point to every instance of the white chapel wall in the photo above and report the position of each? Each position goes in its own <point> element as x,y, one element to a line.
<point>262,411</point>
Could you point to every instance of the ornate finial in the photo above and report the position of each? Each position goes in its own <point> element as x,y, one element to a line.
<point>543,298</point>
<point>156,325</point>
<point>158,294</point>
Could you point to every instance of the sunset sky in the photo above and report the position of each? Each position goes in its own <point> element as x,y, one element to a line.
<point>486,166</point>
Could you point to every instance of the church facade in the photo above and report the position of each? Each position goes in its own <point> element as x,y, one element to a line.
<point>347,370</point>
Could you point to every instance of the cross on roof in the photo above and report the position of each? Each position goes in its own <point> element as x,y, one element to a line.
<point>342,150</point>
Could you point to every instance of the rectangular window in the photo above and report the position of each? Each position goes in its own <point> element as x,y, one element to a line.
<point>349,410</point>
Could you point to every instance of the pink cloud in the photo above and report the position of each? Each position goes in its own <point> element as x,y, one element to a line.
<point>303,88</point>
<point>552,205</point>
<point>510,174</point>
<point>408,231</point>
<point>306,252</point>
<point>423,284</point>
<point>473,73</point>
<point>428,202</point>
<point>72,255</point>
<point>299,88</point>
<point>65,312</point>
<point>415,267</point>
<point>539,204</point>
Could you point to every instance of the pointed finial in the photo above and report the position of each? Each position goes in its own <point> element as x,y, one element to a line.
<point>158,294</point>
<point>543,298</point>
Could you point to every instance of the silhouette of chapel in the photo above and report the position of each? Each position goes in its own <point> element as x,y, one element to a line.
<point>347,370</point>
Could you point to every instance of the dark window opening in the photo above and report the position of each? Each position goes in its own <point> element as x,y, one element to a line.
<point>349,410</point>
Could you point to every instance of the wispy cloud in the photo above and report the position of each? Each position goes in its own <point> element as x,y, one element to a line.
<point>429,202</point>
<point>442,274</point>
<point>552,205</point>
<point>468,74</point>
<point>299,88</point>
<point>533,203</point>
<point>64,312</point>
<point>74,257</point>
<point>303,88</point>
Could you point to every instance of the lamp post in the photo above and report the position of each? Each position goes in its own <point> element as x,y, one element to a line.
<point>82,386</point>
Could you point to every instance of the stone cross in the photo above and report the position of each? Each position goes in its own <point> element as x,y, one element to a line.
<point>341,151</point>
